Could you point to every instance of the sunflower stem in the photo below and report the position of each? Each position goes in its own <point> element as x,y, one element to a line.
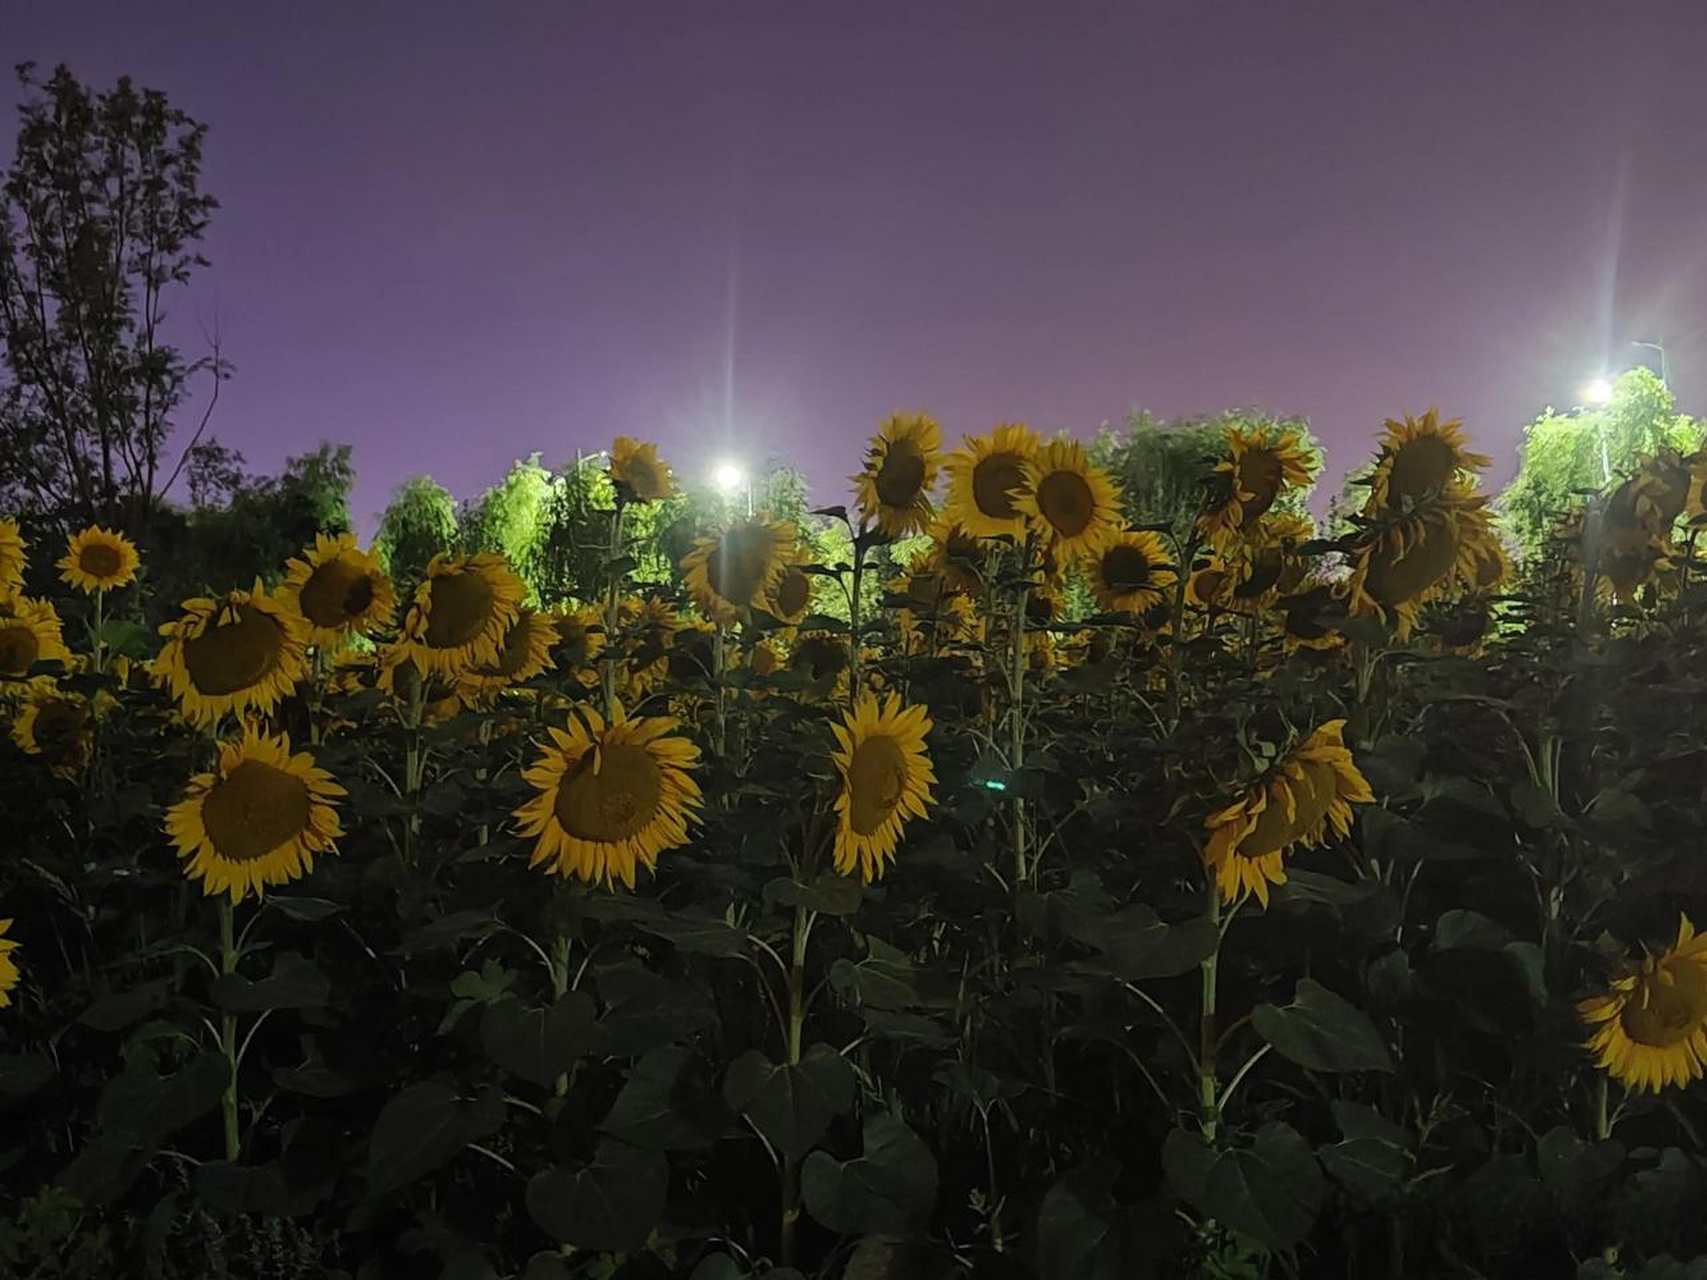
<point>854,618</point>
<point>1016,717</point>
<point>613,595</point>
<point>559,988</point>
<point>718,654</point>
<point>99,627</point>
<point>803,920</point>
<point>1208,1102</point>
<point>1602,1122</point>
<point>228,1034</point>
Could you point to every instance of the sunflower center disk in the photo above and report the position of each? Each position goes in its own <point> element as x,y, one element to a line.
<point>1396,580</point>
<point>19,648</point>
<point>459,608</point>
<point>818,659</point>
<point>1259,475</point>
<point>1125,569</point>
<point>513,656</point>
<point>236,655</point>
<point>793,593</point>
<point>642,479</point>
<point>901,476</point>
<point>336,594</point>
<point>617,802</point>
<point>253,810</point>
<point>877,778</point>
<point>993,481</point>
<point>57,725</point>
<point>1420,467</point>
<point>736,566</point>
<point>1066,501</point>
<point>99,560</point>
<point>1673,1010</point>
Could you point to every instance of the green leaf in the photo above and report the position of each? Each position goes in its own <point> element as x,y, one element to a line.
<point>423,1127</point>
<point>1464,930</point>
<point>889,1190</point>
<point>294,984</point>
<point>609,1205</point>
<point>449,930</point>
<point>697,934</point>
<point>539,1045</point>
<point>21,1074</point>
<point>236,1189</point>
<point>1576,1172</point>
<point>118,1010</point>
<point>1370,1168</point>
<point>829,894</point>
<point>1078,1232</point>
<point>301,907</point>
<point>547,1266</point>
<point>1322,1032</point>
<point>1537,807</point>
<point>663,1105</point>
<point>645,1010</point>
<point>791,1106</point>
<point>143,1107</point>
<point>1139,945</point>
<point>1270,1191</point>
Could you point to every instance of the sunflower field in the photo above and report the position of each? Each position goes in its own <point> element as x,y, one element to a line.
<point>1026,892</point>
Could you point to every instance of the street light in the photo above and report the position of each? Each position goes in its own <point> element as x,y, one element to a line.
<point>730,477</point>
<point>1654,346</point>
<point>1598,392</point>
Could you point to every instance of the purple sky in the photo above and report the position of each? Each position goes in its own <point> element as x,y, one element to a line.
<point>455,233</point>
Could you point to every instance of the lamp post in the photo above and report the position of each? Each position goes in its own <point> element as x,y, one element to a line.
<point>1655,346</point>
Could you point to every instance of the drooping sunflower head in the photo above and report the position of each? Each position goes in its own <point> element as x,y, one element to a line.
<point>728,573</point>
<point>1650,1027</point>
<point>1310,619</point>
<point>790,597</point>
<point>257,820</point>
<point>1403,564</point>
<point>98,559</point>
<point>764,658</point>
<point>54,724</point>
<point>524,653</point>
<point>238,653</point>
<point>339,590</point>
<point>1301,801</point>
<point>1662,483</point>
<point>1420,458</point>
<point>1132,572</point>
<point>886,775</point>
<point>462,612</point>
<point>638,473</point>
<point>932,613</point>
<point>13,557</point>
<point>894,490</point>
<point>1260,464</point>
<point>580,640</point>
<point>1070,501</point>
<point>29,634</point>
<point>959,557</point>
<point>400,673</point>
<point>984,476</point>
<point>822,661</point>
<point>610,796</point>
<point>8,966</point>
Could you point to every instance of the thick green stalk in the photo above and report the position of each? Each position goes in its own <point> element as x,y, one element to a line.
<point>1016,731</point>
<point>613,595</point>
<point>559,988</point>
<point>1207,1084</point>
<point>794,1033</point>
<point>228,1034</point>
<point>854,628</point>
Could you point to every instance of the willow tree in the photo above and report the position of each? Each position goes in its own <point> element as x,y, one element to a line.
<point>418,523</point>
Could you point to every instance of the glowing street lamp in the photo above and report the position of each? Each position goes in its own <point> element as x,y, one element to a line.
<point>730,478</point>
<point>1598,392</point>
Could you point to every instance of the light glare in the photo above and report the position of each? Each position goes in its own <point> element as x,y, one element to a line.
<point>729,477</point>
<point>1597,392</point>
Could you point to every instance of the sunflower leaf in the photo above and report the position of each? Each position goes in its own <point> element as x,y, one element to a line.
<point>829,894</point>
<point>423,1127</point>
<point>609,1205</point>
<point>1322,1032</point>
<point>539,1044</point>
<point>791,1104</point>
<point>295,984</point>
<point>887,1190</point>
<point>1270,1191</point>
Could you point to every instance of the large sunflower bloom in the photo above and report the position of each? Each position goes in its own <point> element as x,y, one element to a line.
<point>610,796</point>
<point>257,819</point>
<point>12,556</point>
<point>463,611</point>
<point>1303,798</point>
<point>959,557</point>
<point>822,661</point>
<point>886,780</point>
<point>339,590</point>
<point>1650,1029</point>
<point>728,573</point>
<point>894,490</point>
<point>8,966</point>
<point>525,652</point>
<point>638,473</point>
<point>983,477</point>
<point>1419,459</point>
<point>1261,464</point>
<point>98,559</point>
<point>790,597</point>
<point>1403,564</point>
<point>29,633</point>
<point>243,651</point>
<point>1132,572</point>
<point>1069,500</point>
<point>54,724</point>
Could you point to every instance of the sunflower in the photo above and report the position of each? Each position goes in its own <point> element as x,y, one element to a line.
<point>54,724</point>
<point>983,477</point>
<point>98,559</point>
<point>243,651</point>
<point>692,657</point>
<point>1403,564</point>
<point>463,611</point>
<point>1303,798</point>
<point>580,640</point>
<point>1310,618</point>
<point>1070,501</point>
<point>8,966</point>
<point>886,780</point>
<point>894,490</point>
<point>821,660</point>
<point>525,652</point>
<point>789,599</point>
<point>1131,572</point>
<point>1662,483</point>
<point>637,472</point>
<point>728,573</point>
<point>12,556</point>
<point>339,590</point>
<point>1419,459</point>
<point>764,659</point>
<point>29,633</point>
<point>1261,464</point>
<point>959,557</point>
<point>399,674</point>
<point>610,795</point>
<point>258,819</point>
<point>1650,1029</point>
<point>927,626</point>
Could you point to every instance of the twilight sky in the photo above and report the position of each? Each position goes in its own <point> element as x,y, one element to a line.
<point>456,233</point>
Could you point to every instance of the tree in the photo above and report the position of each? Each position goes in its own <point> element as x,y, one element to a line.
<point>1565,454</point>
<point>100,216</point>
<point>418,523</point>
<point>509,517</point>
